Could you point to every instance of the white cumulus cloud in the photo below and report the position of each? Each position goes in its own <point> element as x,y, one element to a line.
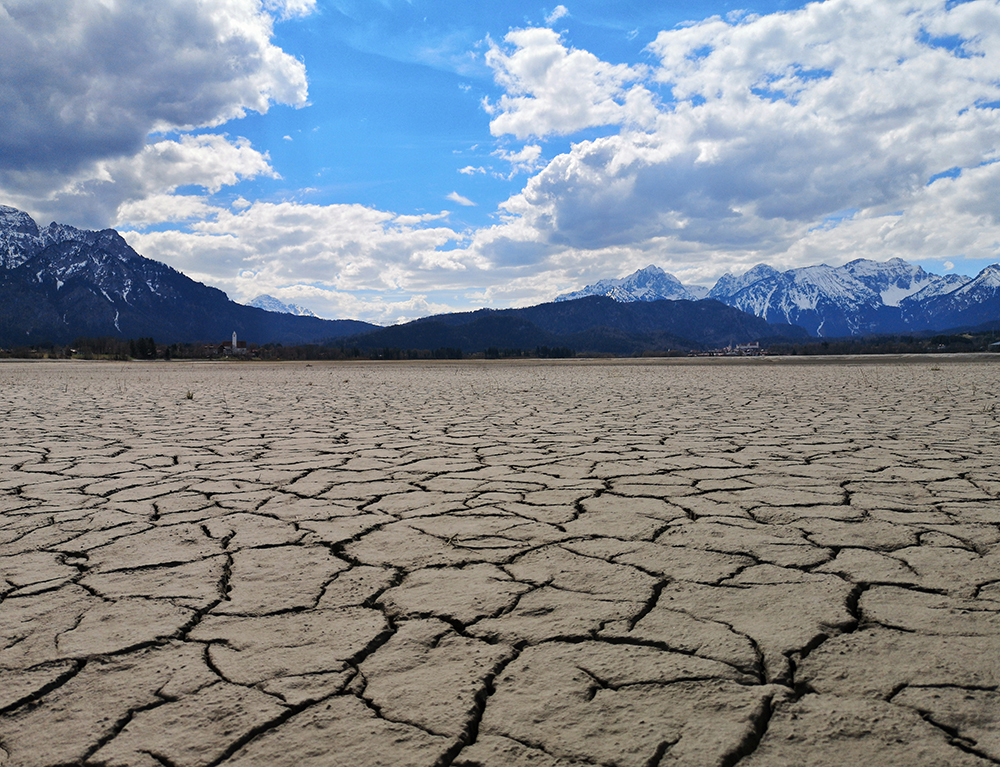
<point>552,89</point>
<point>139,190</point>
<point>768,127</point>
<point>275,247</point>
<point>86,82</point>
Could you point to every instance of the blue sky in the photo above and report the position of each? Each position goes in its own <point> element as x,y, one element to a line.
<point>396,90</point>
<point>388,159</point>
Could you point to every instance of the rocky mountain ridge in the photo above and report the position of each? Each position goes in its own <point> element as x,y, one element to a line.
<point>649,284</point>
<point>861,297</point>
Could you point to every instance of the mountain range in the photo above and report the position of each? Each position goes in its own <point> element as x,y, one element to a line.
<point>58,283</point>
<point>861,297</point>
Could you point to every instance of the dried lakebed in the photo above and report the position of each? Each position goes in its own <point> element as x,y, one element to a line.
<point>545,564</point>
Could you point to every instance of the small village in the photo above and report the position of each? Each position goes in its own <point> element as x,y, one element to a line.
<point>751,349</point>
<point>234,348</point>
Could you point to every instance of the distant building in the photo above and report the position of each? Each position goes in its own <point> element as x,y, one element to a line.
<point>233,348</point>
<point>751,349</point>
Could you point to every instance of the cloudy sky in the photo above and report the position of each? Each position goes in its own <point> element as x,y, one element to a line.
<point>388,159</point>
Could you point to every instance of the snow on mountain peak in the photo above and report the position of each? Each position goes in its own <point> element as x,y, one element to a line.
<point>894,280</point>
<point>728,285</point>
<point>987,280</point>
<point>648,284</point>
<point>990,275</point>
<point>862,296</point>
<point>18,237</point>
<point>272,304</point>
<point>21,238</point>
<point>14,220</point>
<point>55,233</point>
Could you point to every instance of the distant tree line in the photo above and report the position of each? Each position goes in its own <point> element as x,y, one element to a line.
<point>87,348</point>
<point>106,348</point>
<point>554,352</point>
<point>495,353</point>
<point>142,348</point>
<point>394,353</point>
<point>957,343</point>
<point>146,348</point>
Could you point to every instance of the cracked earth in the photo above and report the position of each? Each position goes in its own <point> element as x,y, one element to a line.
<point>622,563</point>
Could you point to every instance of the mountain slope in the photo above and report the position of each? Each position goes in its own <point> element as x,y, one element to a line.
<point>893,280</point>
<point>592,324</point>
<point>977,302</point>
<point>21,238</point>
<point>824,300</point>
<point>58,283</point>
<point>728,285</point>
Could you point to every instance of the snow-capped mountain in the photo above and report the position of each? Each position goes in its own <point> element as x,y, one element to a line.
<point>894,280</point>
<point>827,301</point>
<point>974,303</point>
<point>58,283</point>
<point>728,285</point>
<point>272,304</point>
<point>944,284</point>
<point>21,238</point>
<point>649,284</point>
<point>860,297</point>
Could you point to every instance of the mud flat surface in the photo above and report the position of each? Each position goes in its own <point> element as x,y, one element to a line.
<point>560,564</point>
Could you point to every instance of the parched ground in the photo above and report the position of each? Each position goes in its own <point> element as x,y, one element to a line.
<point>545,564</point>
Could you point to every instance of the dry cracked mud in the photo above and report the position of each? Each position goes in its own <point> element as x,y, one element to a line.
<point>628,563</point>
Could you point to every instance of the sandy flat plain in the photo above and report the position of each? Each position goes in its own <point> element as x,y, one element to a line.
<point>572,563</point>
